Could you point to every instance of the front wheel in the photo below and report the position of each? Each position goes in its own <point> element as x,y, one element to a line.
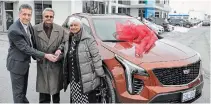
<point>106,91</point>
<point>188,26</point>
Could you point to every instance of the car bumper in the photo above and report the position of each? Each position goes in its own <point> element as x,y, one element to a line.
<point>205,24</point>
<point>170,29</point>
<point>166,94</point>
<point>160,31</point>
<point>176,97</point>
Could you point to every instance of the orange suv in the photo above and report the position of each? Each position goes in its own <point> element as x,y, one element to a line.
<point>169,72</point>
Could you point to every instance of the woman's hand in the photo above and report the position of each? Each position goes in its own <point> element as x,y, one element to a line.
<point>58,52</point>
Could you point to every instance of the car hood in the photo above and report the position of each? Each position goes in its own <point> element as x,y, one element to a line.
<point>163,51</point>
<point>153,26</point>
<point>160,27</point>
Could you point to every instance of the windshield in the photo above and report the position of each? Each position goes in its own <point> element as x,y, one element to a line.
<point>106,27</point>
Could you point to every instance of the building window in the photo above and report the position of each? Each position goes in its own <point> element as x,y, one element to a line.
<point>141,13</point>
<point>8,6</point>
<point>9,14</point>
<point>114,1</point>
<point>101,8</point>
<point>185,17</point>
<point>120,10</point>
<point>142,2</point>
<point>125,2</point>
<point>158,1</point>
<point>94,7</point>
<point>39,6</point>
<point>124,11</point>
<point>128,11</point>
<point>165,15</point>
<point>113,9</point>
<point>1,5</point>
<point>119,1</point>
<point>157,14</point>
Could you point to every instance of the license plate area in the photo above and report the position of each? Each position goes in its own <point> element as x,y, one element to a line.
<point>188,95</point>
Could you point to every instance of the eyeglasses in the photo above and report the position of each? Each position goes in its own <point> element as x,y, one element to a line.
<point>47,16</point>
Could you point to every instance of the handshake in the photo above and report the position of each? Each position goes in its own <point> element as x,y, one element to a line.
<point>53,58</point>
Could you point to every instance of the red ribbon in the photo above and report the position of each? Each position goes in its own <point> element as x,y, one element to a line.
<point>141,35</point>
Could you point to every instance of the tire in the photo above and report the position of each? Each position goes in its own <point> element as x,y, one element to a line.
<point>109,95</point>
<point>177,25</point>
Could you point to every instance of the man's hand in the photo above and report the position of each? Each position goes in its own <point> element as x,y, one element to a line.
<point>58,52</point>
<point>51,57</point>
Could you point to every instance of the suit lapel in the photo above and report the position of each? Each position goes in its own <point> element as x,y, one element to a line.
<point>54,35</point>
<point>24,32</point>
<point>42,35</point>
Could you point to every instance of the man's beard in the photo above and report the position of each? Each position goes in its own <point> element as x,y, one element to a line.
<point>48,24</point>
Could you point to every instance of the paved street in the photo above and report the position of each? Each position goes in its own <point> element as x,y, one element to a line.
<point>196,38</point>
<point>199,40</point>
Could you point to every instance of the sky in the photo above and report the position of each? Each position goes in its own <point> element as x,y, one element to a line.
<point>183,6</point>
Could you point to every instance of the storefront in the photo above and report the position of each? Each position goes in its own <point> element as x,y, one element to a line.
<point>9,9</point>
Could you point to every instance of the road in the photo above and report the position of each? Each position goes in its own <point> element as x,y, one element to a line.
<point>196,38</point>
<point>199,40</point>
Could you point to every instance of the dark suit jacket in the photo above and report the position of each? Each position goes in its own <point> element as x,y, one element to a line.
<point>20,50</point>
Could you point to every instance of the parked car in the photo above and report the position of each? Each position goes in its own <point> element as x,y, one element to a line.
<point>160,21</point>
<point>195,21</point>
<point>157,28</point>
<point>180,22</point>
<point>206,23</point>
<point>169,72</point>
<point>171,27</point>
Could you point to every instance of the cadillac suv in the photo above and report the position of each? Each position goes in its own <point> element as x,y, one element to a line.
<point>169,72</point>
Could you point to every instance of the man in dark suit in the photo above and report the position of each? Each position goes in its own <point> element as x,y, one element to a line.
<point>20,36</point>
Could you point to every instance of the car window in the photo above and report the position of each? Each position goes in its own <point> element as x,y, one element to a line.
<point>65,25</point>
<point>106,27</point>
<point>86,25</point>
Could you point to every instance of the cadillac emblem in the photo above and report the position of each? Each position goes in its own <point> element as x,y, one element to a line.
<point>186,71</point>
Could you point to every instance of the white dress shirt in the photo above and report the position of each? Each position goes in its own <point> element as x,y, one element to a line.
<point>27,31</point>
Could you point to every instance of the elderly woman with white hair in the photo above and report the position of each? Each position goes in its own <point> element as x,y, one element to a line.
<point>82,64</point>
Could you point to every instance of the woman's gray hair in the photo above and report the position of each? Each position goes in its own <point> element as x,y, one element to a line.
<point>48,9</point>
<point>74,19</point>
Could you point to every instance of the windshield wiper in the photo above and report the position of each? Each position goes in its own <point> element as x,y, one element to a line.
<point>114,41</point>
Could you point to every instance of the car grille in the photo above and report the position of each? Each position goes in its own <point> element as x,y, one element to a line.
<point>137,85</point>
<point>177,75</point>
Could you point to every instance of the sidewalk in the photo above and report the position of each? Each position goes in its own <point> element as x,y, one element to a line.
<point>3,36</point>
<point>3,33</point>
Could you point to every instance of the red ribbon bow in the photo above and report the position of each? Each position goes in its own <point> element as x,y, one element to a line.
<point>141,35</point>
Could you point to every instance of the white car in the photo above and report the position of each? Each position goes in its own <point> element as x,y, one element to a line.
<point>157,28</point>
<point>161,29</point>
<point>171,27</point>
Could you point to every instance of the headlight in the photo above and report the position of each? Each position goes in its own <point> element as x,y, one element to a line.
<point>130,70</point>
<point>198,55</point>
